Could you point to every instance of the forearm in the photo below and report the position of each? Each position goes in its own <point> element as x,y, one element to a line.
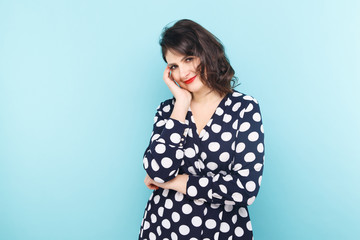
<point>179,183</point>
<point>179,112</point>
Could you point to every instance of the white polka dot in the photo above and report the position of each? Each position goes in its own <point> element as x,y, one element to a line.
<point>228,102</point>
<point>210,194</point>
<point>160,148</point>
<point>260,148</point>
<point>226,136</point>
<point>166,223</point>
<point>219,111</point>
<point>235,125</point>
<point>191,170</point>
<point>159,180</point>
<point>224,157</point>
<point>203,181</point>
<point>158,230</point>
<point>166,108</point>
<point>169,124</point>
<point>250,200</point>
<point>214,146</point>
<point>258,167</point>
<point>249,108</point>
<point>223,188</point>
<point>196,221</point>
<point>160,123</point>
<point>244,127</point>
<point>179,154</point>
<point>168,204</point>
<point>154,165</point>
<point>243,213</point>
<point>236,106</point>
<point>190,152</point>
<point>228,208</point>
<point>224,227</point>
<point>238,182</point>
<point>228,178</point>
<point>161,211</point>
<point>186,208</point>
<point>184,230</point>
<point>175,216</point>
<point>166,162</point>
<point>165,193</point>
<point>250,186</point>
<point>237,197</point>
<point>156,136</point>
<point>244,172</point>
<point>237,167</point>
<point>153,218</point>
<point>210,223</point>
<point>249,157</point>
<point>212,166</point>
<point>259,181</point>
<point>240,147</point>
<point>174,236</point>
<point>179,196</point>
<point>192,191</point>
<point>239,231</point>
<point>146,225</point>
<point>175,137</point>
<point>234,219</point>
<point>253,136</point>
<point>262,128</point>
<point>248,226</point>
<point>203,155</point>
<point>152,236</point>
<point>257,117</point>
<point>146,163</point>
<point>205,136</point>
<point>216,128</point>
<point>227,118</point>
<point>236,94</point>
<point>156,199</point>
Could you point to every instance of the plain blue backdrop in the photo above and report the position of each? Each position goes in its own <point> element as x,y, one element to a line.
<point>80,82</point>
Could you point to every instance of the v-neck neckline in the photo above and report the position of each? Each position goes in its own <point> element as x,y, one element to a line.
<point>210,120</point>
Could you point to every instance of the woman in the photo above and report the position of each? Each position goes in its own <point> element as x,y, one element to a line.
<point>205,156</point>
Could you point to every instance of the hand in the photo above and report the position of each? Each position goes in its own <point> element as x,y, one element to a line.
<point>179,183</point>
<point>181,95</point>
<point>150,184</point>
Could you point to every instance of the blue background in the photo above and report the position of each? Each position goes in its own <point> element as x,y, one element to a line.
<point>80,82</point>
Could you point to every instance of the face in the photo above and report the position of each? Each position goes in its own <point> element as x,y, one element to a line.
<point>183,71</point>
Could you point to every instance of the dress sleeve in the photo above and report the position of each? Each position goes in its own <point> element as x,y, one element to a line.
<point>164,154</point>
<point>241,185</point>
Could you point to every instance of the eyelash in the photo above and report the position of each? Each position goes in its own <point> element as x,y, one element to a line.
<point>189,59</point>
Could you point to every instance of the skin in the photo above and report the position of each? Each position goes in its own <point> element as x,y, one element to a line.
<point>196,94</point>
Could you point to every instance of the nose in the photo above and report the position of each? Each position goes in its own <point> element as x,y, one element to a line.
<point>184,72</point>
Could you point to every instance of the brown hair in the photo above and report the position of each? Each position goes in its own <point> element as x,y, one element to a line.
<point>191,39</point>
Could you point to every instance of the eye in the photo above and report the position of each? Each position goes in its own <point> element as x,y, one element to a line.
<point>173,67</point>
<point>189,59</point>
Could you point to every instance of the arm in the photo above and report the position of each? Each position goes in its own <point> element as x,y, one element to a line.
<point>242,184</point>
<point>163,156</point>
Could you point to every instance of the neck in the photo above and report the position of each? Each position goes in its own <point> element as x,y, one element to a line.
<point>205,96</point>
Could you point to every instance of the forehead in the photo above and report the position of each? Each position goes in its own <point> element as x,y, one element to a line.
<point>173,56</point>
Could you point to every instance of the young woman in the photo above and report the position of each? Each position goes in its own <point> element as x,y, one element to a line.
<point>205,156</point>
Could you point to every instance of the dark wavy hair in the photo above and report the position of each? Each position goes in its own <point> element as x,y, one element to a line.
<point>191,39</point>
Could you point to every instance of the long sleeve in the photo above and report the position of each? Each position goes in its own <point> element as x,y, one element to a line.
<point>164,154</point>
<point>241,185</point>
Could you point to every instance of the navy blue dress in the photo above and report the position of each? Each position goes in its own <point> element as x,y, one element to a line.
<point>224,163</point>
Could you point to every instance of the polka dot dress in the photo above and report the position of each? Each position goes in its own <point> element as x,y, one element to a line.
<point>224,163</point>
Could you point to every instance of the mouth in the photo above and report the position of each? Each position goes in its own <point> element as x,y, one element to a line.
<point>190,80</point>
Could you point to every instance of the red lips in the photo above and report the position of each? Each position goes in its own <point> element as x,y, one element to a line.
<point>190,80</point>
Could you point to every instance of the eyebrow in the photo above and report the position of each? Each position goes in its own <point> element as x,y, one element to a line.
<point>180,60</point>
